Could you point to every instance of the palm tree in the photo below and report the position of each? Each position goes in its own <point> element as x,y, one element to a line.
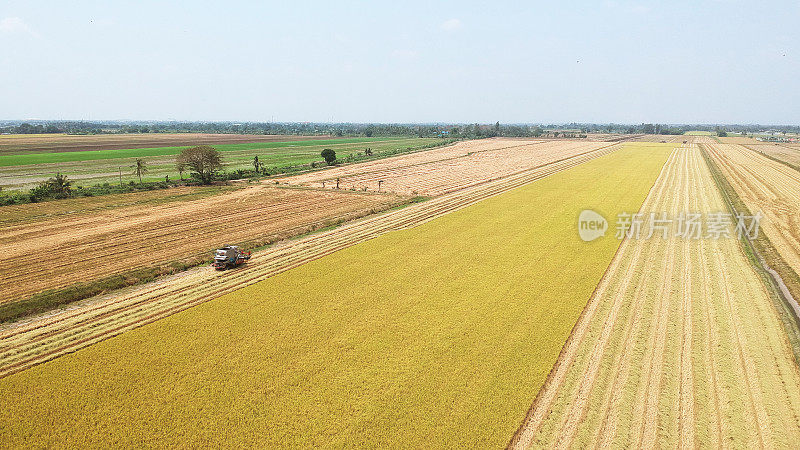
<point>139,168</point>
<point>60,185</point>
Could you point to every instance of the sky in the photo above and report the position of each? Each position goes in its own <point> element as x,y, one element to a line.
<point>422,62</point>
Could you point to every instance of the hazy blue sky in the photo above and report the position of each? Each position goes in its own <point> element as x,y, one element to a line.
<point>402,61</point>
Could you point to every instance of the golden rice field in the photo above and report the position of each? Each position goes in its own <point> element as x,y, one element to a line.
<point>437,334</point>
<point>680,346</point>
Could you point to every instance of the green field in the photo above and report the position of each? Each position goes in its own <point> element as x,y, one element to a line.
<point>101,166</point>
<point>291,147</point>
<point>436,336</point>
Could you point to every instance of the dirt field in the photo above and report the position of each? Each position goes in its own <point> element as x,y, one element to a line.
<point>42,338</point>
<point>34,143</point>
<point>51,245</point>
<point>767,186</point>
<point>439,171</point>
<point>679,346</point>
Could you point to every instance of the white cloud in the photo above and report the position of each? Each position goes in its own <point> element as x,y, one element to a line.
<point>11,25</point>
<point>451,25</point>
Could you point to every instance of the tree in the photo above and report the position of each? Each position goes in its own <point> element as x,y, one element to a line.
<point>497,128</point>
<point>181,166</point>
<point>202,160</point>
<point>139,168</point>
<point>256,164</point>
<point>329,156</point>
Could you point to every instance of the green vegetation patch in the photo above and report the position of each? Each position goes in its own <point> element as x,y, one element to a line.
<point>57,157</point>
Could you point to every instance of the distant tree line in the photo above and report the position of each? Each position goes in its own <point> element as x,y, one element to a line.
<point>458,131</point>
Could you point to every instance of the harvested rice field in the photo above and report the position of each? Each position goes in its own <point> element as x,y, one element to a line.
<point>679,346</point>
<point>439,171</point>
<point>767,186</point>
<point>86,239</point>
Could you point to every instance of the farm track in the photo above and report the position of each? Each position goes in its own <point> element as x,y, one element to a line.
<point>689,354</point>
<point>27,344</point>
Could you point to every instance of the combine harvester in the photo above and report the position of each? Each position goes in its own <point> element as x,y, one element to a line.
<point>229,257</point>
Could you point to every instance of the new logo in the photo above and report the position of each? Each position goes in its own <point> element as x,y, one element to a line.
<point>591,225</point>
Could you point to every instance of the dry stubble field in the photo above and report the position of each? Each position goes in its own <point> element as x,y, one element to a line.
<point>46,247</point>
<point>679,347</point>
<point>783,152</point>
<point>436,172</point>
<point>767,186</point>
